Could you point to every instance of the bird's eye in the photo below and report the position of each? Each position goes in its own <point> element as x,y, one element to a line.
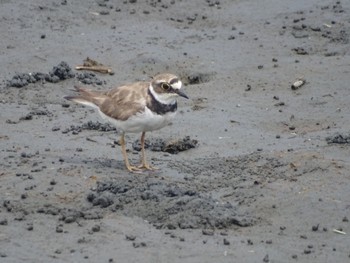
<point>165,86</point>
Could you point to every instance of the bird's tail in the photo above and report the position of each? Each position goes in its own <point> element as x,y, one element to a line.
<point>87,97</point>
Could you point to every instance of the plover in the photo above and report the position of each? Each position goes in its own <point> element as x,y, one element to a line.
<point>136,107</point>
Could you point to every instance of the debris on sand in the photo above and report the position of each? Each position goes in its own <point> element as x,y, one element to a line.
<point>298,84</point>
<point>90,64</point>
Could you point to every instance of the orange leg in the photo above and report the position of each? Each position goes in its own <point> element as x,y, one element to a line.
<point>125,156</point>
<point>144,164</point>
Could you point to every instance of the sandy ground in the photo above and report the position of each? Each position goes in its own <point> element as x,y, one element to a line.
<point>268,180</point>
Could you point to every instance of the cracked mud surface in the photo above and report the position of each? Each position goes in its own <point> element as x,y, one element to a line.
<point>251,170</point>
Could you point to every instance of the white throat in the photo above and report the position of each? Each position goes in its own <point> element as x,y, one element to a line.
<point>164,98</point>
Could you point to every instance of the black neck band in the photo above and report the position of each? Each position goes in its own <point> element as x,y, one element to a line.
<point>159,107</point>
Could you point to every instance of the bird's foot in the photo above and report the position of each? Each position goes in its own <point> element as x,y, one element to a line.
<point>146,166</point>
<point>133,169</point>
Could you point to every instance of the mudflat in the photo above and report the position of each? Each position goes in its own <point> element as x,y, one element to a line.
<point>255,167</point>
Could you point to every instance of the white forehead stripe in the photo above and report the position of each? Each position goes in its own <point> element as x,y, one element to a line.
<point>177,85</point>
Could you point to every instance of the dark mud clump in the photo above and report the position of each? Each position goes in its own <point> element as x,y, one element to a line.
<point>166,205</point>
<point>89,78</point>
<point>198,78</point>
<point>338,138</point>
<point>90,125</point>
<point>38,113</point>
<point>171,146</point>
<point>60,72</point>
<point>69,215</point>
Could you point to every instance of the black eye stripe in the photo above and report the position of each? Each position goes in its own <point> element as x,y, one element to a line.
<point>173,81</point>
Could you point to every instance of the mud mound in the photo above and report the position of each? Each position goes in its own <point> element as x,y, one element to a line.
<point>89,78</point>
<point>171,146</point>
<point>166,205</point>
<point>339,138</point>
<point>216,193</point>
<point>58,73</point>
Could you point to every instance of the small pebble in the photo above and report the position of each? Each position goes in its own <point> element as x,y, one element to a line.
<point>3,222</point>
<point>315,228</point>
<point>96,228</point>
<point>130,237</point>
<point>266,259</point>
<point>53,182</point>
<point>139,244</point>
<point>59,229</point>
<point>30,226</point>
<point>208,232</point>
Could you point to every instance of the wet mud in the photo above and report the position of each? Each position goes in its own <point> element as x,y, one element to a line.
<point>255,167</point>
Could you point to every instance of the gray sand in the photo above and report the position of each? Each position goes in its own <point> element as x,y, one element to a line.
<point>256,171</point>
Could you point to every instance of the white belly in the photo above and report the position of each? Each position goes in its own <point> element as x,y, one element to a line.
<point>142,122</point>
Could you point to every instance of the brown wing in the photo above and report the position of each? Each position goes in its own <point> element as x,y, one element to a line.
<point>125,101</point>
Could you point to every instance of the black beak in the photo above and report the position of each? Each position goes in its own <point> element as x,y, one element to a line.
<point>180,93</point>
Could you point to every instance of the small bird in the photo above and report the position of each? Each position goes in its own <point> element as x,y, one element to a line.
<point>136,107</point>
